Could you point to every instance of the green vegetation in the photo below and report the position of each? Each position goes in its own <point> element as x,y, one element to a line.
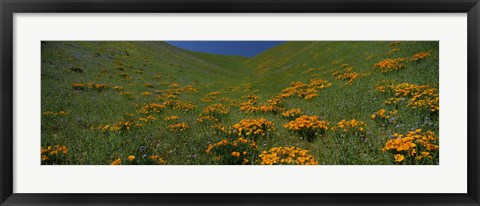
<point>152,103</point>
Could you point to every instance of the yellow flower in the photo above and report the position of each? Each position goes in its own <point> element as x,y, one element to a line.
<point>286,155</point>
<point>235,154</point>
<point>292,113</point>
<point>413,145</point>
<point>117,162</point>
<point>254,127</point>
<point>215,110</point>
<point>346,75</point>
<point>306,122</point>
<point>171,118</point>
<point>178,127</point>
<point>350,125</point>
<point>388,65</point>
<point>416,96</point>
<point>131,158</point>
<point>45,158</point>
<point>419,56</point>
<point>399,158</point>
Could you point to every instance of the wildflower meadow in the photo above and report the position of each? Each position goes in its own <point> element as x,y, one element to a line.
<point>298,103</point>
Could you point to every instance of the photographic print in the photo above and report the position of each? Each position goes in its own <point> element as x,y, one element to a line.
<point>239,103</point>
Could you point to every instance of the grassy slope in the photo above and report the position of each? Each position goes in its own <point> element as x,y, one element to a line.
<point>357,101</point>
<point>161,64</point>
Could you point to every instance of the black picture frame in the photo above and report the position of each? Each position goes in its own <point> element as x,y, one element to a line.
<point>9,7</point>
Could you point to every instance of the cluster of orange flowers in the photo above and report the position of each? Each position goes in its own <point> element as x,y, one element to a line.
<point>211,114</point>
<point>268,108</point>
<point>146,94</point>
<point>152,159</point>
<point>415,146</point>
<point>174,91</point>
<point>298,89</point>
<point>251,98</point>
<point>188,89</point>
<point>179,105</point>
<point>52,154</point>
<point>346,75</point>
<point>50,113</point>
<point>308,126</point>
<point>419,56</point>
<point>147,119</point>
<point>120,126</point>
<point>151,108</point>
<point>175,85</point>
<point>307,123</point>
<point>157,159</point>
<point>219,128</point>
<point>263,109</point>
<point>89,85</point>
<point>318,84</point>
<point>178,127</point>
<point>350,126</point>
<point>286,156</point>
<point>215,110</point>
<point>210,97</point>
<point>417,96</point>
<point>166,94</point>
<point>383,114</point>
<point>253,127</point>
<point>305,91</point>
<point>250,105</point>
<point>169,103</point>
<point>207,118</point>
<point>117,162</point>
<point>239,151</point>
<point>171,118</point>
<point>234,143</point>
<point>389,65</point>
<point>274,105</point>
<point>292,113</point>
<point>248,108</point>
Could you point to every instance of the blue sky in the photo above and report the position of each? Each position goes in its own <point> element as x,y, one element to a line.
<point>240,48</point>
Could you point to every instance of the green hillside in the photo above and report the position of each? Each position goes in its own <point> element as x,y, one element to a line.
<point>153,103</point>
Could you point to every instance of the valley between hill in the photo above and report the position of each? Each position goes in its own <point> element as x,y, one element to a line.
<point>329,103</point>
